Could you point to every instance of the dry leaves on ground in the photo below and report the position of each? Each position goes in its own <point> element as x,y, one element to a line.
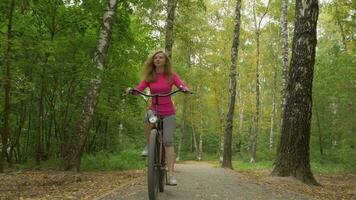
<point>333,186</point>
<point>48,184</point>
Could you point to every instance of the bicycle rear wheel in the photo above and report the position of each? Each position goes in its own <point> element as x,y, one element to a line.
<point>153,168</point>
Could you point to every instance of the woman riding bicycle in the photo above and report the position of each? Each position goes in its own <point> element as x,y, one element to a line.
<point>158,75</point>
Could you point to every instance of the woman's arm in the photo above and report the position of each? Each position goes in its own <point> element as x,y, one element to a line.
<point>179,83</point>
<point>142,86</point>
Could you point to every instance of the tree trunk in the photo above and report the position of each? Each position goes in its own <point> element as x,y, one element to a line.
<point>257,118</point>
<point>232,89</point>
<point>7,87</point>
<point>273,107</point>
<point>285,53</point>
<point>171,8</point>
<point>72,161</point>
<point>293,150</point>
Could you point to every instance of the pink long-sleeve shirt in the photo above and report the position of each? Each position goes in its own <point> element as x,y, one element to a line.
<point>162,86</point>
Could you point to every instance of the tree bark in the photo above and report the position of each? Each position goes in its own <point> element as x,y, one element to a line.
<point>7,87</point>
<point>293,150</point>
<point>72,161</point>
<point>285,53</point>
<point>232,89</point>
<point>171,8</point>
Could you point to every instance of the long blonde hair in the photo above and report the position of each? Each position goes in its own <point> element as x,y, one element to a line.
<point>149,73</point>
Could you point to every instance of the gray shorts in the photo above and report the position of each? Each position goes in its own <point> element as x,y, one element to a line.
<point>169,125</point>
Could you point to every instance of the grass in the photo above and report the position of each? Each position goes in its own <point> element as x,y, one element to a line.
<point>317,167</point>
<point>125,160</point>
<point>240,165</point>
<point>131,159</point>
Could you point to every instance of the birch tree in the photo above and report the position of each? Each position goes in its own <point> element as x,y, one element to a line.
<point>293,151</point>
<point>284,27</point>
<point>257,119</point>
<point>72,162</point>
<point>232,90</point>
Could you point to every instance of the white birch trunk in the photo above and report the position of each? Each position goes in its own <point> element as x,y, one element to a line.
<point>72,162</point>
<point>285,54</point>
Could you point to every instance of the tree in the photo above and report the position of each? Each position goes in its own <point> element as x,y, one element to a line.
<point>232,90</point>
<point>257,118</point>
<point>284,27</point>
<point>293,151</point>
<point>171,8</point>
<point>7,86</point>
<point>72,161</point>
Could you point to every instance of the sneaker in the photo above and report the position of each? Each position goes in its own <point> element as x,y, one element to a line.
<point>145,151</point>
<point>172,180</point>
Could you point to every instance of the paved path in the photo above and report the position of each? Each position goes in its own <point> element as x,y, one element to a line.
<point>201,181</point>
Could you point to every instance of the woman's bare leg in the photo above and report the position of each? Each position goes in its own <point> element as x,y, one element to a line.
<point>170,159</point>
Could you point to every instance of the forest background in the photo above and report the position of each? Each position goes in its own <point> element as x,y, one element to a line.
<point>50,50</point>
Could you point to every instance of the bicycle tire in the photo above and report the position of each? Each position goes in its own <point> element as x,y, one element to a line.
<point>152,168</point>
<point>162,172</point>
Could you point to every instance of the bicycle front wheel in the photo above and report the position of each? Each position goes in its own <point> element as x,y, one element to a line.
<point>153,167</point>
<point>162,173</point>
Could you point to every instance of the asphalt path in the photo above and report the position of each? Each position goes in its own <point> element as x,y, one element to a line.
<point>203,181</point>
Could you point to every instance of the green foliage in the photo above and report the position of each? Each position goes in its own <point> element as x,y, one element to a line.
<point>127,159</point>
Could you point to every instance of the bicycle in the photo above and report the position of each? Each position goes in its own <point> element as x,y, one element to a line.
<point>156,169</point>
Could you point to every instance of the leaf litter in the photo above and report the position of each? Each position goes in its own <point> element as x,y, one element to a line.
<point>333,185</point>
<point>51,184</point>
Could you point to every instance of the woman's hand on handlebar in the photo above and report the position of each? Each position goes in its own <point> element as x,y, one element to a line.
<point>129,90</point>
<point>185,89</point>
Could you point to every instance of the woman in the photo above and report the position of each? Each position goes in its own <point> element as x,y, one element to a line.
<point>159,77</point>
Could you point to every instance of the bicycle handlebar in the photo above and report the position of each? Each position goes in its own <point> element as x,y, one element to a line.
<point>158,95</point>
